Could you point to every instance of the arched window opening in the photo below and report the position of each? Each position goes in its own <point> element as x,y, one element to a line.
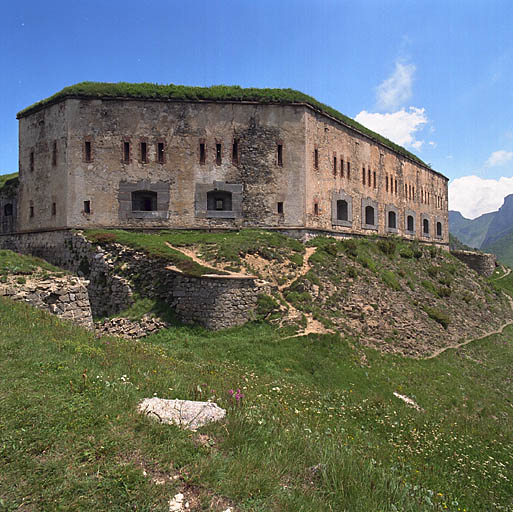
<point>8,209</point>
<point>219,200</point>
<point>392,220</point>
<point>425,225</point>
<point>342,212</point>
<point>369,215</point>
<point>438,229</point>
<point>144,201</point>
<point>409,223</point>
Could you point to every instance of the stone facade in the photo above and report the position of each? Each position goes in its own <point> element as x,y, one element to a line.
<point>139,163</point>
<point>9,206</point>
<point>482,263</point>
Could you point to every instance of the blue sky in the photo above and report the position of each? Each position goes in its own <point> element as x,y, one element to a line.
<point>435,76</point>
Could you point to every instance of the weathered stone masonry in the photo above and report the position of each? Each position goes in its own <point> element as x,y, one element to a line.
<point>482,263</point>
<point>115,271</point>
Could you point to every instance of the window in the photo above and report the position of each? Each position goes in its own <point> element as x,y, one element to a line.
<point>386,182</point>
<point>235,152</point>
<point>363,176</point>
<point>392,220</point>
<point>144,152</point>
<point>316,208</point>
<point>369,215</point>
<point>54,153</point>
<point>425,226</point>
<point>410,226</point>
<point>31,212</point>
<point>54,209</point>
<point>160,153</point>
<point>87,206</point>
<point>406,190</point>
<point>202,153</point>
<point>438,229</point>
<point>88,154</point>
<point>396,186</point>
<point>280,207</point>
<point>144,201</point>
<point>348,170</point>
<point>31,161</point>
<point>341,167</point>
<point>316,158</point>
<point>413,193</point>
<point>342,211</point>
<point>126,152</point>
<point>369,177</point>
<point>335,166</point>
<point>8,209</point>
<point>219,200</point>
<point>374,179</point>
<point>219,154</point>
<point>279,149</point>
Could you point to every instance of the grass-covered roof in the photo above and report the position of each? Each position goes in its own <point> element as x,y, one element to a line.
<point>213,93</point>
<point>8,181</point>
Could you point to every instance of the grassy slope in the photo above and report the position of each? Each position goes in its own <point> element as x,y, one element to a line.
<point>14,263</point>
<point>8,180</point>
<point>319,428</point>
<point>213,93</point>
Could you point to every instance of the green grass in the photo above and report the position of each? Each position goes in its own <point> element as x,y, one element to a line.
<point>317,429</point>
<point>213,93</point>
<point>14,263</point>
<point>8,181</point>
<point>152,245</point>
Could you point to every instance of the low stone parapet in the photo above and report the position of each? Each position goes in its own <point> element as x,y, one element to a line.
<point>482,263</point>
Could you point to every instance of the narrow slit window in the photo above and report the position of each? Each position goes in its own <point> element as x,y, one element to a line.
<point>316,209</point>
<point>31,161</point>
<point>202,153</point>
<point>341,167</point>
<point>87,151</point>
<point>54,209</point>
<point>335,166</point>
<point>31,212</point>
<point>160,152</point>
<point>54,153</point>
<point>369,177</point>
<point>87,206</point>
<point>363,176</point>
<point>144,152</point>
<point>386,182</point>
<point>219,154</point>
<point>316,158</point>
<point>374,179</point>
<point>348,170</point>
<point>126,152</point>
<point>396,186</point>
<point>280,154</point>
<point>280,207</point>
<point>235,152</point>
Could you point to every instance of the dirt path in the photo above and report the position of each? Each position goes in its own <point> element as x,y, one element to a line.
<point>485,335</point>
<point>507,273</point>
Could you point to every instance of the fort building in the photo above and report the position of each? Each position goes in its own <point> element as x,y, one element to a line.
<point>150,156</point>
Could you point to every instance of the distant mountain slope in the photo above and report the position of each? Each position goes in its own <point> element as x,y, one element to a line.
<point>471,232</point>
<point>491,232</point>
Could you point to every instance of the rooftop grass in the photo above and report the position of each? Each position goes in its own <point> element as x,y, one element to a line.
<point>318,427</point>
<point>8,181</point>
<point>213,93</point>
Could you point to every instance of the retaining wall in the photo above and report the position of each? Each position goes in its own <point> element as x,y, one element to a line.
<point>482,263</point>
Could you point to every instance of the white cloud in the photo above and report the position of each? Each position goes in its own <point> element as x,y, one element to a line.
<point>400,127</point>
<point>500,157</point>
<point>396,90</point>
<point>473,196</point>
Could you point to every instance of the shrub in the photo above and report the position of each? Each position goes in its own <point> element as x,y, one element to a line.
<point>351,271</point>
<point>429,286</point>
<point>406,253</point>
<point>387,246</point>
<point>391,280</point>
<point>437,316</point>
<point>267,307</point>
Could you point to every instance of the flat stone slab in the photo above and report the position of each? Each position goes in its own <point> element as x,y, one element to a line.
<point>184,413</point>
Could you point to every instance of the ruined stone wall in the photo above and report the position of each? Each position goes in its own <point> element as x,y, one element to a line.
<point>349,164</point>
<point>43,191</point>
<point>115,272</point>
<point>482,263</point>
<point>65,296</point>
<point>180,177</point>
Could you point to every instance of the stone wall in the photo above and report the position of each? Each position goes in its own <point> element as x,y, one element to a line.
<point>482,263</point>
<point>65,296</point>
<point>9,206</point>
<point>115,272</point>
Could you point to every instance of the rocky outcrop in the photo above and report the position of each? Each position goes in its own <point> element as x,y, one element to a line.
<point>127,328</point>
